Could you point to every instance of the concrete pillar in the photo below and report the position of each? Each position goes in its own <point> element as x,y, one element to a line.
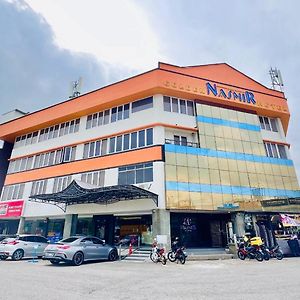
<point>161,224</point>
<point>70,225</point>
<point>239,224</point>
<point>21,225</point>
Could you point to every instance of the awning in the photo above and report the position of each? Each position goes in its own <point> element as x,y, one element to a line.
<point>81,193</point>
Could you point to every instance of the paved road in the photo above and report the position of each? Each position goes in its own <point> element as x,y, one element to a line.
<point>223,279</point>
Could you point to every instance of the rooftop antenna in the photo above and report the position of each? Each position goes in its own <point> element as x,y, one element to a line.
<point>75,88</point>
<point>276,79</point>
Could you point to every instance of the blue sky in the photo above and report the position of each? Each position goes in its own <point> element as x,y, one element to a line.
<point>47,44</point>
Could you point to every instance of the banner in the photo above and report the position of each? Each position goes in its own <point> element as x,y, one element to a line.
<point>11,208</point>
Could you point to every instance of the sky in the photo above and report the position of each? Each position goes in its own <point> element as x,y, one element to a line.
<point>45,45</point>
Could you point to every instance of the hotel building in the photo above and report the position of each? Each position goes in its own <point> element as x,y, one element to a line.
<point>198,152</point>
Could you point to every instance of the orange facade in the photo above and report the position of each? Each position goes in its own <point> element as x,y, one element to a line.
<point>184,82</point>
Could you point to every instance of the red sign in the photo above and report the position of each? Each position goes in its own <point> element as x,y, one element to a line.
<point>11,208</point>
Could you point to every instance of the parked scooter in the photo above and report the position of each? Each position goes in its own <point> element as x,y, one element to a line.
<point>158,254</point>
<point>177,252</point>
<point>272,253</point>
<point>249,251</point>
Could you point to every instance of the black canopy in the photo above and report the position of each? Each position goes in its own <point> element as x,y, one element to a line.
<point>81,193</point>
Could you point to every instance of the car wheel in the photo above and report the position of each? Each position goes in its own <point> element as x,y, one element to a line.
<point>78,259</point>
<point>113,255</point>
<point>54,262</point>
<point>17,255</point>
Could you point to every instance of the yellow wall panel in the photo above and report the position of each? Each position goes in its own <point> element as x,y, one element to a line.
<point>204,176</point>
<point>212,162</point>
<point>171,173</point>
<point>193,175</point>
<point>181,159</point>
<point>170,158</point>
<point>182,174</point>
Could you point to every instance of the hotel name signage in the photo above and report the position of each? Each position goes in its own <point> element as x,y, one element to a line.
<point>247,97</point>
<point>212,90</point>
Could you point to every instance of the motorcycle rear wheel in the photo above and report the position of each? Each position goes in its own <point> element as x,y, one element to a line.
<point>266,255</point>
<point>163,260</point>
<point>279,255</point>
<point>182,259</point>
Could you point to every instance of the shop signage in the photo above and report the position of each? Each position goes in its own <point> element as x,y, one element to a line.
<point>247,97</point>
<point>11,208</point>
<point>274,202</point>
<point>229,206</point>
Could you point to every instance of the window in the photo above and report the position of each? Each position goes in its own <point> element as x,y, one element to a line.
<point>108,116</point>
<point>95,178</point>
<point>141,138</point>
<point>178,105</point>
<point>282,152</point>
<point>60,183</point>
<point>182,106</point>
<point>112,145</point>
<point>275,150</point>
<point>142,104</point>
<point>133,140</point>
<point>113,115</point>
<point>180,140</point>
<point>38,187</point>
<point>268,124</point>
<point>126,142</point>
<point>149,136</point>
<point>11,192</point>
<point>69,154</point>
<point>190,108</point>
<point>135,174</point>
<point>167,103</point>
<point>119,143</point>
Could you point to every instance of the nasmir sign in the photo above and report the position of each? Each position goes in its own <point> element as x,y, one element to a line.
<point>246,97</point>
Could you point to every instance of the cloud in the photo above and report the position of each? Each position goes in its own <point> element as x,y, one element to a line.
<point>35,72</point>
<point>116,32</point>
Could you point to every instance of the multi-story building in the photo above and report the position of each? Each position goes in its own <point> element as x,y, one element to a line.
<point>197,152</point>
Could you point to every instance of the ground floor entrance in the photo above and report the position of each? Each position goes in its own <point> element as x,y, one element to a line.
<point>200,229</point>
<point>8,226</point>
<point>113,229</point>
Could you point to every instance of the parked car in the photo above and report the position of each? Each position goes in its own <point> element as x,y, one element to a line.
<point>78,249</point>
<point>23,246</point>
<point>5,236</point>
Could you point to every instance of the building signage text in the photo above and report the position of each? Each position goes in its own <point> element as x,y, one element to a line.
<point>11,208</point>
<point>230,94</point>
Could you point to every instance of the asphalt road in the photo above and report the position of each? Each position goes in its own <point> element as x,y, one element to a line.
<point>223,279</point>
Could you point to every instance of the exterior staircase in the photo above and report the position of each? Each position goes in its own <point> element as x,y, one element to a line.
<point>138,255</point>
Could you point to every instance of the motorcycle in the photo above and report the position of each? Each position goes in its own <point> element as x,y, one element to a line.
<point>158,255</point>
<point>177,254</point>
<point>272,253</point>
<point>250,252</point>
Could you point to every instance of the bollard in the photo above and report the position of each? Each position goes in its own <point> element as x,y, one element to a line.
<point>34,255</point>
<point>120,252</point>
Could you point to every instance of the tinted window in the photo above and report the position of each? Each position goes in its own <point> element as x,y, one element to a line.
<point>167,103</point>
<point>142,104</point>
<point>97,241</point>
<point>41,239</point>
<point>69,240</point>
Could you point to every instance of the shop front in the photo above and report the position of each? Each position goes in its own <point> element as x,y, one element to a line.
<point>136,229</point>
<point>51,228</point>
<point>10,213</point>
<point>114,213</point>
<point>200,230</point>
